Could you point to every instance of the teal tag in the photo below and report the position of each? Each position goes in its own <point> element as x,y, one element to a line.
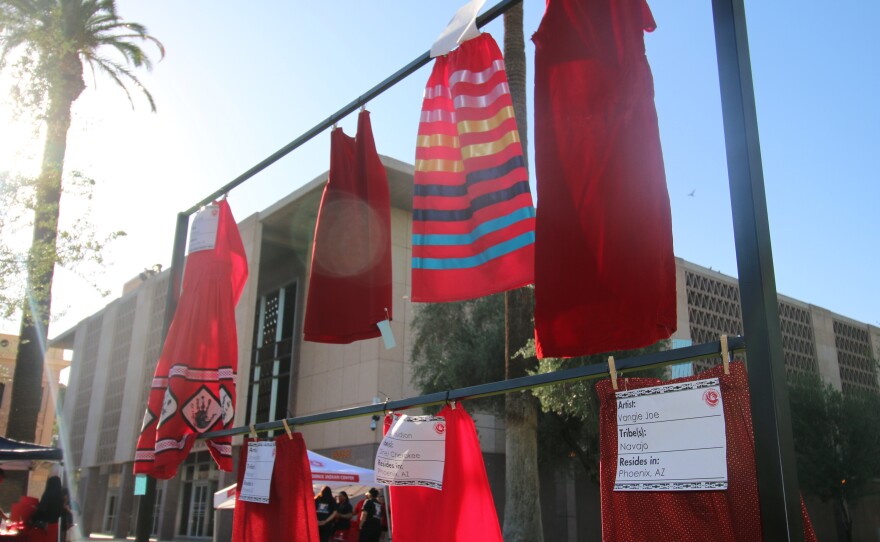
<point>140,484</point>
<point>387,335</point>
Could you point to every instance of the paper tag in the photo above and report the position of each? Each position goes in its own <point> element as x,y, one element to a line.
<point>203,234</point>
<point>671,438</point>
<point>413,453</point>
<point>258,472</point>
<point>461,28</point>
<point>387,334</point>
<point>140,484</point>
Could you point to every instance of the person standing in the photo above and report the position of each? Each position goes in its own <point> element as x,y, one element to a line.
<point>371,518</point>
<point>386,515</point>
<point>344,512</point>
<point>325,506</point>
<point>44,522</point>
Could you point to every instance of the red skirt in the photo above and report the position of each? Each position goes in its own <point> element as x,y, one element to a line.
<point>733,515</point>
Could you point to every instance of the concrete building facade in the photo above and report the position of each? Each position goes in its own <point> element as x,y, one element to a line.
<point>279,375</point>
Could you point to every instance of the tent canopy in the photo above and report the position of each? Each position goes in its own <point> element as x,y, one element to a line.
<point>15,455</point>
<point>325,472</point>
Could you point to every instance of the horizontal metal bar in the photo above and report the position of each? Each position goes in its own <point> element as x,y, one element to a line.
<point>598,370</point>
<point>362,100</point>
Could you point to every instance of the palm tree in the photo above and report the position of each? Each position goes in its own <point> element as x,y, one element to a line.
<point>522,500</point>
<point>59,37</point>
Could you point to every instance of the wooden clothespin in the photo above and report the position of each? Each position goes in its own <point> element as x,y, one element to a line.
<point>287,428</point>
<point>725,355</point>
<point>253,432</point>
<point>612,370</point>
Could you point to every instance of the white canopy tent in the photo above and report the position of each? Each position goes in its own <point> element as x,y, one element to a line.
<point>325,472</point>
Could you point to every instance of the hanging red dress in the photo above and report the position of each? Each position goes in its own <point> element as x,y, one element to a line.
<point>290,515</point>
<point>193,390</point>
<point>473,219</point>
<point>604,267</point>
<point>464,510</point>
<point>733,515</point>
<point>350,280</point>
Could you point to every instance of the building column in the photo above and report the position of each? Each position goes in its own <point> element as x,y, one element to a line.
<point>126,501</point>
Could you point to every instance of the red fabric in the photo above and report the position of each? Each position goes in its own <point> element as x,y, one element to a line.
<point>354,530</point>
<point>350,281</point>
<point>193,390</point>
<point>604,267</point>
<point>290,514</point>
<point>464,510</point>
<point>38,534</point>
<point>473,218</point>
<point>732,515</point>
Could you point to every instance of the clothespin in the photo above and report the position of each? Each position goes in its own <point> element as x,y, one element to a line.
<point>725,355</point>
<point>253,432</point>
<point>287,428</point>
<point>612,370</point>
<point>449,403</point>
<point>363,107</point>
<point>387,314</point>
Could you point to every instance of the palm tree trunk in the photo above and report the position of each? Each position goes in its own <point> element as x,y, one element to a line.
<point>27,384</point>
<point>522,499</point>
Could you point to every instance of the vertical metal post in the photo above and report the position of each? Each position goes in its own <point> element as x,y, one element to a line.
<point>147,501</point>
<point>774,447</point>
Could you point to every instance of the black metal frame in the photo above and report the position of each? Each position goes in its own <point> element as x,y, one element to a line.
<point>774,448</point>
<point>586,372</point>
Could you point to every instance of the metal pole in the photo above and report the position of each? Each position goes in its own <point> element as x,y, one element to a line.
<point>774,447</point>
<point>493,13</point>
<point>585,372</point>
<point>145,505</point>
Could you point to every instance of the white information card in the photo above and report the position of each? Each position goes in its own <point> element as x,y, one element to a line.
<point>258,472</point>
<point>413,452</point>
<point>671,438</point>
<point>203,233</point>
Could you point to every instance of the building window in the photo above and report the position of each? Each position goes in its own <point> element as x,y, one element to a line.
<point>272,356</point>
<point>199,477</point>
<point>110,512</point>
<point>858,370</point>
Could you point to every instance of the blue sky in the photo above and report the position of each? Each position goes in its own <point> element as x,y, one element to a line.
<point>242,79</point>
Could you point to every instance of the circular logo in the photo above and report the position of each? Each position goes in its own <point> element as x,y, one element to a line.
<point>316,463</point>
<point>711,397</point>
<point>439,428</point>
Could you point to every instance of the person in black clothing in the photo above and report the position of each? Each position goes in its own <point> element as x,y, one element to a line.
<point>51,503</point>
<point>371,518</point>
<point>344,511</point>
<point>325,505</point>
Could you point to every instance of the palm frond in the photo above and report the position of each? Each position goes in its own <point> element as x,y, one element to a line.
<point>91,28</point>
<point>119,74</point>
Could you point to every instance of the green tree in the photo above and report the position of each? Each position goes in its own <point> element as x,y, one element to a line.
<point>462,344</point>
<point>80,247</point>
<point>56,38</point>
<point>837,440</point>
<point>570,411</point>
